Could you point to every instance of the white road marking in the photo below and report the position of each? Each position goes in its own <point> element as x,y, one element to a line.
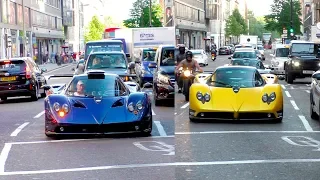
<point>58,69</point>
<point>305,123</point>
<point>291,87</point>
<point>130,166</point>
<point>241,132</point>
<point>283,87</point>
<point>175,113</point>
<point>160,128</point>
<point>307,91</point>
<point>287,93</point>
<point>39,115</point>
<point>4,155</point>
<point>184,106</point>
<point>294,105</point>
<point>153,113</point>
<point>302,141</point>
<point>16,132</point>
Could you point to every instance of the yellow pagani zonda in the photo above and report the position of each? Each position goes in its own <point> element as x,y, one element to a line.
<point>236,93</point>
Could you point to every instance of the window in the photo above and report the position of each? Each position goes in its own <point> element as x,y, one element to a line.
<point>4,12</point>
<point>12,13</point>
<point>20,14</point>
<point>27,17</point>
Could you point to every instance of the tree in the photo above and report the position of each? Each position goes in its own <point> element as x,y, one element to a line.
<point>235,24</point>
<point>256,25</point>
<point>95,30</point>
<point>139,15</point>
<point>280,17</point>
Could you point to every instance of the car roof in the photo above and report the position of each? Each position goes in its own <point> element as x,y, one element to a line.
<point>107,52</point>
<point>104,41</point>
<point>237,67</point>
<point>245,50</point>
<point>97,71</point>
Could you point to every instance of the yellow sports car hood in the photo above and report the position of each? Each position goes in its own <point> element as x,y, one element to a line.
<point>228,100</point>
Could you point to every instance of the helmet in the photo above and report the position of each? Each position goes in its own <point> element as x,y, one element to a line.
<point>189,54</point>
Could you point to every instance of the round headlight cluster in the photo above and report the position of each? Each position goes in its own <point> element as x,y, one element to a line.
<point>56,106</point>
<point>296,64</point>
<point>130,107</point>
<point>203,97</point>
<point>139,105</point>
<point>65,108</point>
<point>269,98</point>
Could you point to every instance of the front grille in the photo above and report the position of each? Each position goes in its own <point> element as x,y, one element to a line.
<point>249,115</point>
<point>310,65</point>
<point>216,115</point>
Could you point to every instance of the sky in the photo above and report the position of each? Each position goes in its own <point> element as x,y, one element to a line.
<point>259,7</point>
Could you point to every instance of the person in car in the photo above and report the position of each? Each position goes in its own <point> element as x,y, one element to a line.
<point>80,89</point>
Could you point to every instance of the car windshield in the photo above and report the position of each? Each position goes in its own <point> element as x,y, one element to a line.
<point>12,66</point>
<point>167,58</point>
<point>254,63</point>
<point>302,48</point>
<point>244,55</point>
<point>235,77</point>
<point>148,55</point>
<point>82,86</point>
<point>282,52</point>
<point>103,61</point>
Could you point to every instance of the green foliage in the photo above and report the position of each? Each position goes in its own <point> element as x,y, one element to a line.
<point>95,30</point>
<point>281,14</point>
<point>139,15</point>
<point>235,25</point>
<point>256,25</point>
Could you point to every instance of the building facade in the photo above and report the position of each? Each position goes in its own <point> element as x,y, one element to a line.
<point>188,17</point>
<point>311,18</point>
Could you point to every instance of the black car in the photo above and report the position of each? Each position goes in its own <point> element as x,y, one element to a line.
<point>164,75</point>
<point>21,77</point>
<point>302,61</point>
<point>225,50</point>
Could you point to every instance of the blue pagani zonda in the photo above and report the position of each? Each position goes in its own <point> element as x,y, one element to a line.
<point>97,103</point>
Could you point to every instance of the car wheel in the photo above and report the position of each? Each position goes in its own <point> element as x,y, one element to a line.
<point>44,92</point>
<point>156,101</point>
<point>289,78</point>
<point>313,114</point>
<point>35,93</point>
<point>147,132</point>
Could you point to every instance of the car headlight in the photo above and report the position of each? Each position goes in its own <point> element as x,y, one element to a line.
<point>265,97</point>
<point>199,96</point>
<point>65,108</point>
<point>203,98</point>
<point>207,97</point>
<point>187,73</point>
<point>272,96</point>
<point>296,64</point>
<point>139,105</point>
<point>319,64</point>
<point>130,107</point>
<point>56,106</point>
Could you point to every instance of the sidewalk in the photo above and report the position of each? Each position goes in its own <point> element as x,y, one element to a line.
<point>51,66</point>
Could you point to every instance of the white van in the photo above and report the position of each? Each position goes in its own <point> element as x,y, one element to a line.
<point>279,57</point>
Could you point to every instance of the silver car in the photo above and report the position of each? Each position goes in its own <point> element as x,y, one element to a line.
<point>278,59</point>
<point>201,56</point>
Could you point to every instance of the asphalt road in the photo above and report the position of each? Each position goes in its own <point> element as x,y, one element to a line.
<point>28,154</point>
<point>254,150</point>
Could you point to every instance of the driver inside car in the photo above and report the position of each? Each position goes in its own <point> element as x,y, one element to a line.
<point>80,89</point>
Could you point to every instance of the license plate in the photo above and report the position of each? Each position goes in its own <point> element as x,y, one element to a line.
<point>12,78</point>
<point>308,72</point>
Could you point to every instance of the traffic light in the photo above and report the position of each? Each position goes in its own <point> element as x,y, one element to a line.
<point>291,30</point>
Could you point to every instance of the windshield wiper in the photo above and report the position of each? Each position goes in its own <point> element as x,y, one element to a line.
<point>222,83</point>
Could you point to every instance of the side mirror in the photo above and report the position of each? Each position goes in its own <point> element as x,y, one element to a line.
<point>229,57</point>
<point>43,70</point>
<point>72,69</point>
<point>46,87</point>
<point>81,67</point>
<point>127,55</point>
<point>152,65</point>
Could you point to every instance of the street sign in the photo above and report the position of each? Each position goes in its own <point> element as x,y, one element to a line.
<point>285,31</point>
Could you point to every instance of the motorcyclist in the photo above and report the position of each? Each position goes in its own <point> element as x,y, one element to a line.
<point>179,57</point>
<point>189,63</point>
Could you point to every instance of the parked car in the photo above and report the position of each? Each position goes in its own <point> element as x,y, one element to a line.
<point>200,56</point>
<point>225,50</point>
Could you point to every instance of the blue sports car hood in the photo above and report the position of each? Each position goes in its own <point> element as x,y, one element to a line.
<point>92,111</point>
<point>145,65</point>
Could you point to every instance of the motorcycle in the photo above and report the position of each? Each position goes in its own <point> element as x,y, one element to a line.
<point>213,55</point>
<point>188,77</point>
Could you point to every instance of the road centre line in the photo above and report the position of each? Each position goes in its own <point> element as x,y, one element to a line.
<point>160,128</point>
<point>18,130</point>
<point>184,106</point>
<point>239,162</point>
<point>294,105</point>
<point>283,87</point>
<point>307,91</point>
<point>305,123</point>
<point>287,93</point>
<point>4,155</point>
<point>39,115</point>
<point>241,132</point>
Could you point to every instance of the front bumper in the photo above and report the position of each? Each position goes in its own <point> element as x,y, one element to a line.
<point>265,115</point>
<point>97,129</point>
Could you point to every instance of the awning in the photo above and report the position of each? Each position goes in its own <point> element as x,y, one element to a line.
<point>192,28</point>
<point>51,36</point>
